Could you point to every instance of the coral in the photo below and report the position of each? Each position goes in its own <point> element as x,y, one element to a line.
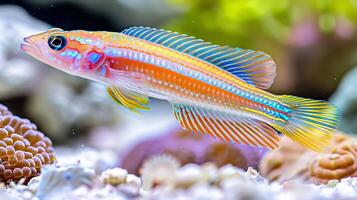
<point>222,154</point>
<point>340,162</point>
<point>158,170</point>
<point>4,110</point>
<point>291,161</point>
<point>274,164</point>
<point>23,149</point>
<point>96,193</point>
<point>189,148</point>
<point>164,171</point>
<point>188,175</point>
<point>75,182</point>
<point>127,184</point>
<point>229,182</point>
<point>114,176</point>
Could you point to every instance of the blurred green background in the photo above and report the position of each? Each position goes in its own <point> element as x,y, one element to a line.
<point>313,42</point>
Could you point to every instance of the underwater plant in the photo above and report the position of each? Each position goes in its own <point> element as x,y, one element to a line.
<point>23,149</point>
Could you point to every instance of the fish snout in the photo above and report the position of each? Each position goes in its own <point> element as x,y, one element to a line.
<point>26,44</point>
<point>29,45</point>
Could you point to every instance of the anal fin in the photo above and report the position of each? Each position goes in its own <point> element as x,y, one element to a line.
<point>128,99</point>
<point>227,127</point>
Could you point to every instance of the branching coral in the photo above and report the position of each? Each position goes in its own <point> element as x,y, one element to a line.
<point>23,149</point>
<point>292,161</point>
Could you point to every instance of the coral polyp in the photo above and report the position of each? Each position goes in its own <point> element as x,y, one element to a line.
<point>23,149</point>
<point>4,110</point>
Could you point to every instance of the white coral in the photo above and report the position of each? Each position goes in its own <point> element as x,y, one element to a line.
<point>159,170</point>
<point>114,176</point>
<point>196,182</point>
<point>84,193</point>
<point>188,175</point>
<point>133,181</point>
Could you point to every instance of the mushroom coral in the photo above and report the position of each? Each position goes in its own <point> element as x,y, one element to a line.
<point>291,161</point>
<point>23,149</point>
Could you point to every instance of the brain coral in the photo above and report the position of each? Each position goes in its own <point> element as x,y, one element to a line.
<point>23,149</point>
<point>292,161</point>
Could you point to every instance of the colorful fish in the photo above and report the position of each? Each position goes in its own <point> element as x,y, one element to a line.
<point>214,90</point>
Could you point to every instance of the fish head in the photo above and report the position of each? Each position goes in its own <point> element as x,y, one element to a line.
<point>75,52</point>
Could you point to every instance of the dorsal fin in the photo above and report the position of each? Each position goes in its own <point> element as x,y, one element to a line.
<point>254,67</point>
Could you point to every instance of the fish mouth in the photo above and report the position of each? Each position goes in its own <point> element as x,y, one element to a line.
<point>30,47</point>
<point>25,45</point>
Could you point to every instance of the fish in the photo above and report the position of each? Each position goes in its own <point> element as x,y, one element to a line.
<point>214,90</point>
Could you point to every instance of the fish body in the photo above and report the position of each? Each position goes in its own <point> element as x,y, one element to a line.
<point>213,90</point>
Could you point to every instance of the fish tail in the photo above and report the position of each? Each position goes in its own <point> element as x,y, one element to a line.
<point>311,122</point>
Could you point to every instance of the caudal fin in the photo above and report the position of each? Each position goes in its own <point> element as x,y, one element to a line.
<point>312,122</point>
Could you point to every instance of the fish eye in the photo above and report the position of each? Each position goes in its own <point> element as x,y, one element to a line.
<point>57,42</point>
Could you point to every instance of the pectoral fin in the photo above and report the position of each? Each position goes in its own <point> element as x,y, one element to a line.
<point>128,99</point>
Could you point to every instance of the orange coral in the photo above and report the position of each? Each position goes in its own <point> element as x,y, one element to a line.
<point>340,162</point>
<point>23,149</point>
<point>292,161</point>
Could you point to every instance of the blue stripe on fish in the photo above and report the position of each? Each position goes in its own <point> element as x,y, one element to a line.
<point>149,59</point>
